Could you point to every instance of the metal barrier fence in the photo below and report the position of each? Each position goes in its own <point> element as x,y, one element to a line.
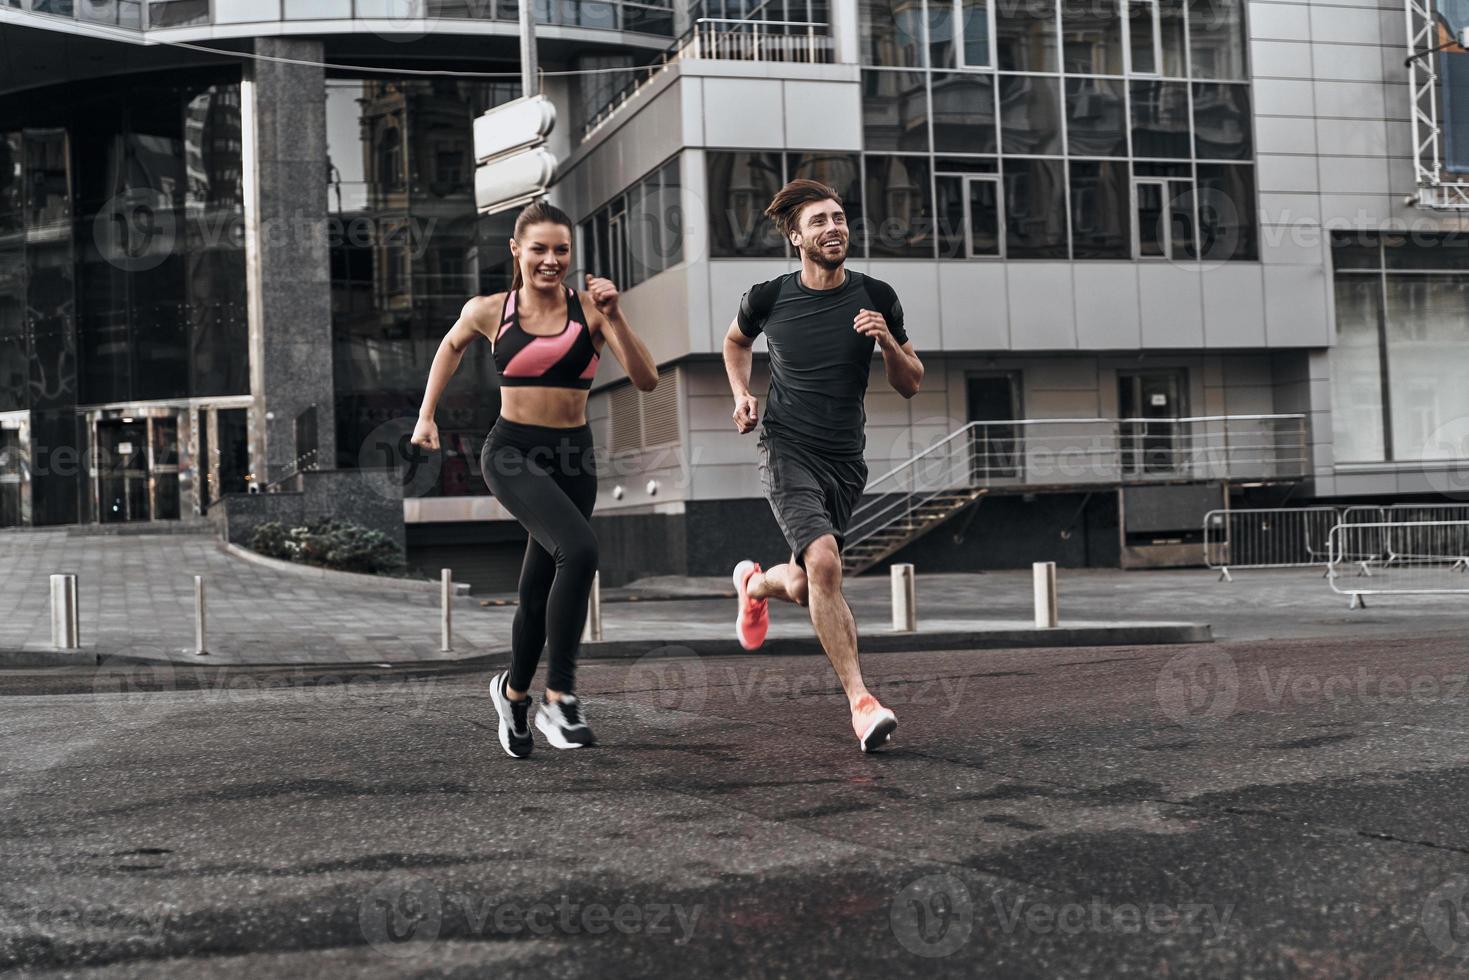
<point>1412,558</point>
<point>1275,537</point>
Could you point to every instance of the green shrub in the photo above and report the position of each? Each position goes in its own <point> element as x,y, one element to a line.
<point>270,539</point>
<point>350,548</point>
<point>332,544</point>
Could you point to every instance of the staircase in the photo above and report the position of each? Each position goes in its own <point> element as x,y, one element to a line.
<point>912,499</point>
<point>859,557</point>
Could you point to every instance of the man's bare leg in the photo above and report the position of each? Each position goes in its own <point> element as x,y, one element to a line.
<point>786,582</point>
<point>819,585</point>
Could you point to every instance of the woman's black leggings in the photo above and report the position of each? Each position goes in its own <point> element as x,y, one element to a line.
<point>547,478</point>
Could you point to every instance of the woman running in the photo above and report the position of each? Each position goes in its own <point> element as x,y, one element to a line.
<point>538,459</point>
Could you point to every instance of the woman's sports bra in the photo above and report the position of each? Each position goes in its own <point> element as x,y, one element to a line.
<point>564,360</point>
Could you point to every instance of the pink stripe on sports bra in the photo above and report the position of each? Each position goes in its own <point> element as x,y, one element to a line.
<point>542,353</point>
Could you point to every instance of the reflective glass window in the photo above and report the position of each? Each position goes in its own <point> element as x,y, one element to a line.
<point>1101,210</point>
<point>892,33</point>
<point>1222,123</point>
<point>1160,119</point>
<point>1096,117</point>
<point>1030,114</point>
<point>1035,209</point>
<point>1216,31</point>
<point>1091,37</point>
<point>1227,211</point>
<point>741,186</point>
<point>1026,35</point>
<point>964,113</point>
<point>894,110</point>
<point>899,207</point>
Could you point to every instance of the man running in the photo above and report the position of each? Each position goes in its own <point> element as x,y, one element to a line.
<point>821,325</point>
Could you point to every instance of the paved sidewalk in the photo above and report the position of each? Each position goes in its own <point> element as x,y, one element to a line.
<point>136,598</point>
<point>136,594</point>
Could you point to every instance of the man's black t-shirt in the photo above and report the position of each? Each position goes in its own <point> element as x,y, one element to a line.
<point>818,362</point>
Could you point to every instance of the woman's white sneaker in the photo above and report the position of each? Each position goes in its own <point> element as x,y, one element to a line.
<point>514,718</point>
<point>562,723</point>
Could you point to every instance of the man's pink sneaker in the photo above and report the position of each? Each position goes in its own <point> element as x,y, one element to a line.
<point>753,620</point>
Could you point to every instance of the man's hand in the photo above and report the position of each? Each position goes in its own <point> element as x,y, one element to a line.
<point>603,294</point>
<point>425,434</point>
<point>746,414</point>
<point>870,323</point>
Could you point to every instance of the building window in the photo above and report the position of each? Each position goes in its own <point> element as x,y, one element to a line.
<point>963,113</point>
<point>899,202</point>
<point>1035,209</point>
<point>1402,325</point>
<point>1101,212</point>
<point>1096,117</point>
<point>967,207</point>
<point>1216,33</point>
<point>741,186</point>
<point>639,233</point>
<point>1030,114</point>
<point>1091,39</point>
<point>895,110</point>
<point>1165,209</point>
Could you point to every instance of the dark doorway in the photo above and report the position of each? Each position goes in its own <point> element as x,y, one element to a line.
<point>233,430</point>
<point>1150,402</point>
<point>995,450</point>
<point>122,471</point>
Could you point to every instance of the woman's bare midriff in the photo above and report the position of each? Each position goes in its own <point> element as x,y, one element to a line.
<point>558,408</point>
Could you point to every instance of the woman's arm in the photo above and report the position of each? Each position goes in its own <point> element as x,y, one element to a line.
<point>446,361</point>
<point>627,346</point>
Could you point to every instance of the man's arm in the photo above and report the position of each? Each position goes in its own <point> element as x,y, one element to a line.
<point>739,359</point>
<point>904,369</point>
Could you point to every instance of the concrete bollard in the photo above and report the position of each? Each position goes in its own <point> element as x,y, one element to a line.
<point>201,640</point>
<point>592,631</point>
<point>65,633</point>
<point>905,599</point>
<point>446,607</point>
<point>1044,573</point>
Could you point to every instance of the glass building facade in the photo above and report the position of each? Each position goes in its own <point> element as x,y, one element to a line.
<point>122,281</point>
<point>1036,130</point>
<point>407,252</point>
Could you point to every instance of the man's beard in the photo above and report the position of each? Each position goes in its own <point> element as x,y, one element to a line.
<point>816,253</point>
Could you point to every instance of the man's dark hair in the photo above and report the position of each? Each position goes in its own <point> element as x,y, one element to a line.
<point>785,208</point>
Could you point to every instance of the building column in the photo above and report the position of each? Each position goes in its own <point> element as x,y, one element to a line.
<point>288,267</point>
<point>845,37</point>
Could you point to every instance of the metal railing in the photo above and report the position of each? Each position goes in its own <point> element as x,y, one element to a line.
<point>1429,558</point>
<point>1018,454</point>
<point>725,39</point>
<point>1267,537</point>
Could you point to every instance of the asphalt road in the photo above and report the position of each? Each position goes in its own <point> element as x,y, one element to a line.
<point>1291,808</point>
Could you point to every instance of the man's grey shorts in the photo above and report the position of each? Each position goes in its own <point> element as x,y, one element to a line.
<point>810,494</point>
